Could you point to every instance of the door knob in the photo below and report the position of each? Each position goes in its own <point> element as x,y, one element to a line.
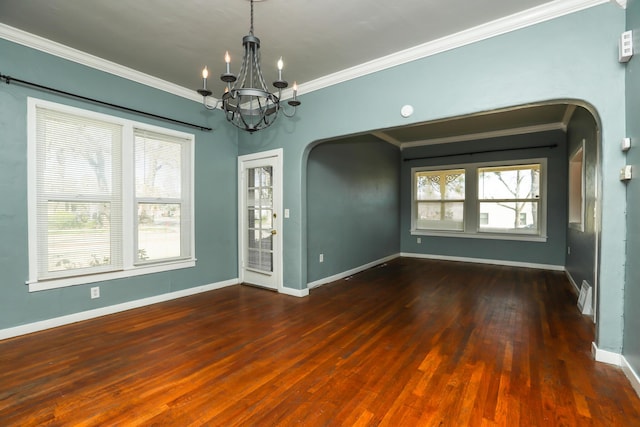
<point>274,232</point>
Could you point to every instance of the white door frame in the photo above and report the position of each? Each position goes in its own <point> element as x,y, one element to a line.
<point>274,156</point>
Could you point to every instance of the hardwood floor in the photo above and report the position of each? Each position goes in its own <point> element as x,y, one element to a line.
<point>413,343</point>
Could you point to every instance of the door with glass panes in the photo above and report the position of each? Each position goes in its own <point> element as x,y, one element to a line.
<point>260,239</point>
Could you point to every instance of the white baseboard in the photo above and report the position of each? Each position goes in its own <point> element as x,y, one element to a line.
<point>605,356</point>
<point>632,375</point>
<point>351,272</point>
<point>485,261</point>
<point>103,311</point>
<point>300,293</point>
<point>573,282</point>
<point>618,360</point>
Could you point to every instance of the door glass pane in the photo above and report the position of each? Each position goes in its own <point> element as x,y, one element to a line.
<point>259,196</point>
<point>266,261</point>
<point>266,197</point>
<point>266,219</point>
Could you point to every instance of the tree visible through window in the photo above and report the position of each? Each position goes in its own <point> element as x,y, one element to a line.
<point>159,199</point>
<point>79,191</point>
<point>509,197</point>
<point>97,178</point>
<point>481,200</point>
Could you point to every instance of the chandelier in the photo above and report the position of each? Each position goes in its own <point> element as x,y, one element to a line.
<point>247,102</point>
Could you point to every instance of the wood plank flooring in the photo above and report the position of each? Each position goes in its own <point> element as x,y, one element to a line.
<point>412,343</point>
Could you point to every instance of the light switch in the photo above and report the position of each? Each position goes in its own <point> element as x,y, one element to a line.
<point>625,173</point>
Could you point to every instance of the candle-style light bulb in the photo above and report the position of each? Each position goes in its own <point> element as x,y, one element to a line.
<point>280,66</point>
<point>227,59</point>
<point>205,74</point>
<point>295,90</point>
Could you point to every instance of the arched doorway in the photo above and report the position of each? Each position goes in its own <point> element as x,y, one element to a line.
<point>341,172</point>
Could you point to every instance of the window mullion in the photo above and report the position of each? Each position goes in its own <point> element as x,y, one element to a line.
<point>128,198</point>
<point>472,207</point>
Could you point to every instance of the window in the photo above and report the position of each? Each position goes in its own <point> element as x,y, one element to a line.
<point>576,188</point>
<point>83,203</point>
<point>510,196</point>
<point>484,218</point>
<point>504,200</point>
<point>523,219</point>
<point>439,199</point>
<point>161,207</point>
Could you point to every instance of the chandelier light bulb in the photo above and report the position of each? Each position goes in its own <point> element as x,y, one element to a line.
<point>204,91</point>
<point>227,59</point>
<point>280,65</point>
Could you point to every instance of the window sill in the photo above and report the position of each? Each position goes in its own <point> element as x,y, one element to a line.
<point>489,236</point>
<point>101,277</point>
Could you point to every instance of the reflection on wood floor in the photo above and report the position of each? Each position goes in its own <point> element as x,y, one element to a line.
<point>412,343</point>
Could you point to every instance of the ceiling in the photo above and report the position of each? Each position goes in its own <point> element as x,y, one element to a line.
<point>174,40</point>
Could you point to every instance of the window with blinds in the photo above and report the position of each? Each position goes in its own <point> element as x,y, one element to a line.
<point>78,185</point>
<point>82,209</point>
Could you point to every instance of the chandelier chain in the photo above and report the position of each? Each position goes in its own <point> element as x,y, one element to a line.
<point>251,27</point>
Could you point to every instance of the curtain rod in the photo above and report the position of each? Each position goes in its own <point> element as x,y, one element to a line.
<point>480,152</point>
<point>9,79</point>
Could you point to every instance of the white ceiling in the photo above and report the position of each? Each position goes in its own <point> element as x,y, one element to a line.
<point>173,40</point>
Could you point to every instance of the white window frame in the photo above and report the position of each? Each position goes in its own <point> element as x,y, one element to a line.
<point>129,267</point>
<point>472,204</point>
<point>417,202</point>
<point>577,196</point>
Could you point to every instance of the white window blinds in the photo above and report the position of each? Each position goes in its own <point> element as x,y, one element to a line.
<point>79,193</point>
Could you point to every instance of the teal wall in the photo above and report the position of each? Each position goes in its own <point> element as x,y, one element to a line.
<point>352,205</point>
<point>571,57</point>
<point>581,260</point>
<point>550,252</point>
<point>215,187</point>
<point>631,349</point>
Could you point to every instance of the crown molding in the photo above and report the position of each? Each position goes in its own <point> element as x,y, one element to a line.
<point>621,3</point>
<point>529,17</point>
<point>65,52</point>
<point>485,135</point>
<point>387,138</point>
<point>494,28</point>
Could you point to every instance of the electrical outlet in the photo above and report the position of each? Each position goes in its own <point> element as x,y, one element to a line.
<point>321,257</point>
<point>568,250</point>
<point>95,292</point>
<point>419,239</point>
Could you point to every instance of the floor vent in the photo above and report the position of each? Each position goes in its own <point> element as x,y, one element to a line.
<point>585,299</point>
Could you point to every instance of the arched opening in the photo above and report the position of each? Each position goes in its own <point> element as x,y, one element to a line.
<point>361,210</point>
